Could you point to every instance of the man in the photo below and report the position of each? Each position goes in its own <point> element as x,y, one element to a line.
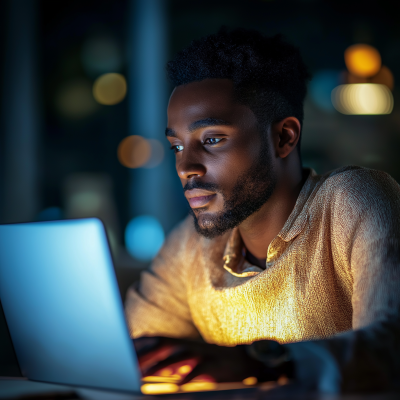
<point>283,271</point>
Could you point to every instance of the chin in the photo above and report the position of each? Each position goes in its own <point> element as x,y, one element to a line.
<point>209,224</point>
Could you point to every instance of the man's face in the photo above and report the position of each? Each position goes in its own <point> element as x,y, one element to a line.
<point>221,158</point>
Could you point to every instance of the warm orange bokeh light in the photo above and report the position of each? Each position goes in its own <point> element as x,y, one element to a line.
<point>134,151</point>
<point>167,380</point>
<point>166,372</point>
<point>250,381</point>
<point>109,89</point>
<point>184,369</point>
<point>384,77</point>
<point>195,386</point>
<point>162,379</point>
<point>159,388</point>
<point>283,380</point>
<point>362,60</point>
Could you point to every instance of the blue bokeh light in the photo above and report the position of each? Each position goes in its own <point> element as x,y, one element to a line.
<point>144,237</point>
<point>321,87</point>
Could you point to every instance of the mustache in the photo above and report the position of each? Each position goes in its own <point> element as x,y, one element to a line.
<point>201,185</point>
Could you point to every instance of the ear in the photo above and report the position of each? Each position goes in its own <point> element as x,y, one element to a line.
<point>286,134</point>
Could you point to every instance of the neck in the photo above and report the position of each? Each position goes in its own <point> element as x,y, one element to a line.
<point>260,229</point>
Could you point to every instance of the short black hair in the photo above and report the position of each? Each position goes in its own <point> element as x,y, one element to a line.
<point>268,73</point>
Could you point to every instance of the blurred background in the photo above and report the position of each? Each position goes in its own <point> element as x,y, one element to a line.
<point>84,96</point>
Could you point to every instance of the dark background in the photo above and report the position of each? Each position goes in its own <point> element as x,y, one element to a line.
<point>44,151</point>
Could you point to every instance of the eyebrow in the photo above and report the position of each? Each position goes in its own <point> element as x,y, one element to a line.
<point>202,123</point>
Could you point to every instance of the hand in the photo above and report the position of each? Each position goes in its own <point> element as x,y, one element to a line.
<point>222,364</point>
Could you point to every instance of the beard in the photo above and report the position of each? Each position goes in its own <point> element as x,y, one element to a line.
<point>251,191</point>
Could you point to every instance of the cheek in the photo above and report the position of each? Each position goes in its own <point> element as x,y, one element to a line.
<point>226,169</point>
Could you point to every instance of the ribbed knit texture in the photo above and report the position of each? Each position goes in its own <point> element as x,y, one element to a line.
<point>335,266</point>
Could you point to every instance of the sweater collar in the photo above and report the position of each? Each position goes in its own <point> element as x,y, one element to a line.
<point>234,260</point>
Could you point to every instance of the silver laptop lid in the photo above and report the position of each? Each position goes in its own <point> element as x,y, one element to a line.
<point>62,305</point>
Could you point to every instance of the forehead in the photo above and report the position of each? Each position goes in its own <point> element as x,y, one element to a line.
<point>204,99</point>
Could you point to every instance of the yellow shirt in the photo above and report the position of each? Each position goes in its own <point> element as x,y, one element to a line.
<point>334,266</point>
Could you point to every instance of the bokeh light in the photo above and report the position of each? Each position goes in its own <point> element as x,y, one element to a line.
<point>144,237</point>
<point>363,99</point>
<point>156,153</point>
<point>362,60</point>
<point>184,369</point>
<point>198,386</point>
<point>134,151</point>
<point>250,381</point>
<point>283,380</point>
<point>321,87</point>
<point>163,379</point>
<point>101,53</point>
<point>384,77</point>
<point>109,89</point>
<point>159,388</point>
<point>74,99</point>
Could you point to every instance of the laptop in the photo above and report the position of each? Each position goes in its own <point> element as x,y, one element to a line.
<point>63,307</point>
<point>64,312</point>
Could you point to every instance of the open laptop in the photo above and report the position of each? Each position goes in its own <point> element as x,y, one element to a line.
<point>63,308</point>
<point>62,305</point>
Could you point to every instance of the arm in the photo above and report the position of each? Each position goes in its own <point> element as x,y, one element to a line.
<point>367,358</point>
<point>158,307</point>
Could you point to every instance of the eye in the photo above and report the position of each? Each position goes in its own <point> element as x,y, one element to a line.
<point>212,141</point>
<point>177,149</point>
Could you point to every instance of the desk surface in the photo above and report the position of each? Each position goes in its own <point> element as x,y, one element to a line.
<point>24,389</point>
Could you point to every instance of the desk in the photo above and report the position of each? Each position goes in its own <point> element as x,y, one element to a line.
<point>25,389</point>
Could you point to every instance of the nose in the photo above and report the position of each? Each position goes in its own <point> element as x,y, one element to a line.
<point>189,166</point>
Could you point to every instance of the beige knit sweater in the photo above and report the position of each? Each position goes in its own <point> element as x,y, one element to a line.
<point>334,267</point>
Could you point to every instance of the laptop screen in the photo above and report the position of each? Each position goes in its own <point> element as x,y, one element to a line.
<point>62,305</point>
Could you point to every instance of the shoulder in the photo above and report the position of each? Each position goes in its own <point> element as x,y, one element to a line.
<point>352,174</point>
<point>355,194</point>
<point>362,185</point>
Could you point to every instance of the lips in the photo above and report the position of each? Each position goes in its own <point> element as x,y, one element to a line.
<point>199,198</point>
